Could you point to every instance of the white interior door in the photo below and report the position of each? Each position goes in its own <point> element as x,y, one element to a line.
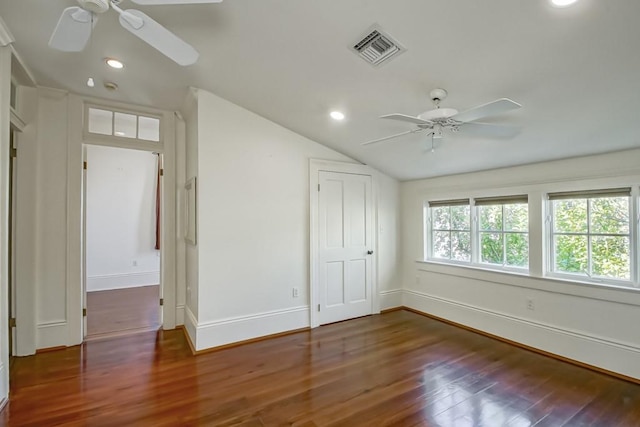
<point>345,250</point>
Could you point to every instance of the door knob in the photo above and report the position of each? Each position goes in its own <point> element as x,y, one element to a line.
<point>369,252</point>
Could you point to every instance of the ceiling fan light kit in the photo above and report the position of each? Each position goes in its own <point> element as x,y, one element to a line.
<point>76,24</point>
<point>440,119</point>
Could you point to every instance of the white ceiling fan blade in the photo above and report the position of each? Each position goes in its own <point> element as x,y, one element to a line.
<point>73,30</point>
<point>391,136</point>
<point>406,118</point>
<point>490,109</point>
<point>154,2</point>
<point>159,37</point>
<point>490,130</point>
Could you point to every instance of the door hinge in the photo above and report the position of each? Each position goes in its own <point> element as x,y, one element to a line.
<point>84,312</point>
<point>161,301</point>
<point>318,187</point>
<point>161,172</point>
<point>84,165</point>
<point>318,307</point>
<point>14,153</point>
<point>12,322</point>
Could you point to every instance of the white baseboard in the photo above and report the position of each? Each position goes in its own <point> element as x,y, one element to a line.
<point>120,281</point>
<point>180,315</point>
<point>231,330</point>
<point>54,334</point>
<point>390,299</point>
<point>613,356</point>
<point>190,324</point>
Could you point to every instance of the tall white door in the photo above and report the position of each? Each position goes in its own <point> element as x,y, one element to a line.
<point>345,246</point>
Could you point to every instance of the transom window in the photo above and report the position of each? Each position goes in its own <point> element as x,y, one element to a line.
<point>123,124</point>
<point>504,230</point>
<point>451,230</point>
<point>591,233</point>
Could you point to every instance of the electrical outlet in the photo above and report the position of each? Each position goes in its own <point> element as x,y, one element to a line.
<point>296,292</point>
<point>530,305</point>
<point>135,263</point>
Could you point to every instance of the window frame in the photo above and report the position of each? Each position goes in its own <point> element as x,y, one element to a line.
<point>634,261</point>
<point>475,256</point>
<point>123,140</point>
<point>502,202</point>
<point>428,220</point>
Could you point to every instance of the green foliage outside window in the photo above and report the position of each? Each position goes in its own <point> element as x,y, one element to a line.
<point>451,232</point>
<point>504,236</point>
<point>591,237</point>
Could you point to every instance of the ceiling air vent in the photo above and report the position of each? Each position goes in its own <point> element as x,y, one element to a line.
<point>377,47</point>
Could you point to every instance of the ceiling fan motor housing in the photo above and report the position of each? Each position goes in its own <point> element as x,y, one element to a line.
<point>438,114</point>
<point>95,6</point>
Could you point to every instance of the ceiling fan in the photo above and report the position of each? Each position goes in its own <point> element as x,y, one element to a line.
<point>76,23</point>
<point>440,119</point>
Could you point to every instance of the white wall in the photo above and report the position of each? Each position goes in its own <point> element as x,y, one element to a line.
<point>592,324</point>
<point>121,219</point>
<point>50,259</point>
<point>253,229</point>
<point>190,110</point>
<point>389,243</point>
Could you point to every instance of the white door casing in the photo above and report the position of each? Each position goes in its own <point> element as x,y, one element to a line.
<point>343,243</point>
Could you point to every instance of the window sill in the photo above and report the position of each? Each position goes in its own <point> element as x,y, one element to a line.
<point>480,267</point>
<point>600,291</point>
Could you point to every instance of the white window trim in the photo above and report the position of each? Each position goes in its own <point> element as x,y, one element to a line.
<point>474,261</point>
<point>428,250</point>
<point>634,240</point>
<point>114,140</point>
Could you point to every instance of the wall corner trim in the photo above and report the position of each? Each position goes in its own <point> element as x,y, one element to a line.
<point>6,37</point>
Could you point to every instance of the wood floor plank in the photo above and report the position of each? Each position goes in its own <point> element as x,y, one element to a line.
<point>118,311</point>
<point>396,369</point>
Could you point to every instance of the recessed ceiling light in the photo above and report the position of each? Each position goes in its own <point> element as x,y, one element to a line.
<point>114,63</point>
<point>563,3</point>
<point>337,115</point>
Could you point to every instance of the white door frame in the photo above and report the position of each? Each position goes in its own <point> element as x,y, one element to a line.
<point>75,211</point>
<point>84,228</point>
<point>315,166</point>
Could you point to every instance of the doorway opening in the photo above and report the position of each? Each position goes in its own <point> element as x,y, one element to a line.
<point>122,285</point>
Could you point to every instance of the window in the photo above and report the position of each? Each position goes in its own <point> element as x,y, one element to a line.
<point>503,229</point>
<point>590,233</point>
<point>123,125</point>
<point>451,230</point>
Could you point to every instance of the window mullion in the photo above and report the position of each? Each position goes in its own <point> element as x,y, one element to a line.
<point>450,234</point>
<point>589,262</point>
<point>475,234</point>
<point>504,241</point>
<point>634,240</point>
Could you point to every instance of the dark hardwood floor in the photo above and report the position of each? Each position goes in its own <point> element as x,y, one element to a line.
<point>399,369</point>
<point>121,311</point>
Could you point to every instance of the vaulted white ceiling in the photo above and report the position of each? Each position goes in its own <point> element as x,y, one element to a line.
<point>576,71</point>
